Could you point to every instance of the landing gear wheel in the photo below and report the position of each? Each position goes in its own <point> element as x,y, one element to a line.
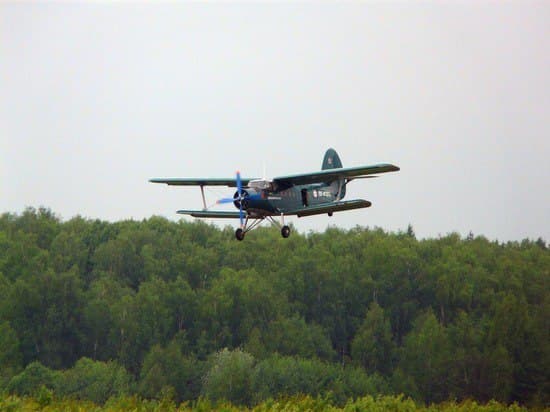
<point>285,231</point>
<point>239,234</point>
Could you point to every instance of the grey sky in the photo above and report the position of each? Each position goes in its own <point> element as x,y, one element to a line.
<point>97,98</point>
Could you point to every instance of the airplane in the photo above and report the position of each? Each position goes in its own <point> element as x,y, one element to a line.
<point>304,194</point>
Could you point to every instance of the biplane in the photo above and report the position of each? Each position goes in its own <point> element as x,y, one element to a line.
<point>304,194</point>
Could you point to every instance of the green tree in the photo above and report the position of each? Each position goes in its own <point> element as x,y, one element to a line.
<point>468,361</point>
<point>278,376</point>
<point>237,302</point>
<point>32,378</point>
<point>68,250</point>
<point>101,333</point>
<point>293,336</point>
<point>45,313</point>
<point>497,375</point>
<point>426,358</point>
<point>372,346</point>
<point>230,377</point>
<point>464,317</point>
<point>165,368</point>
<point>41,223</point>
<point>120,257</point>
<point>10,355</point>
<point>94,380</point>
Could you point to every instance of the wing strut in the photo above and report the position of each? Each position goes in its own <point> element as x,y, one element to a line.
<point>340,184</point>
<point>203,198</point>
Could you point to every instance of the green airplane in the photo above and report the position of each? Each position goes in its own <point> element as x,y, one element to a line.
<point>299,195</point>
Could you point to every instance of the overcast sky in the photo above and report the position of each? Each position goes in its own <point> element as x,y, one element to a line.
<point>97,98</point>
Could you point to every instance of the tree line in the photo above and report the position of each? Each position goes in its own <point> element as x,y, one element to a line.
<point>92,309</point>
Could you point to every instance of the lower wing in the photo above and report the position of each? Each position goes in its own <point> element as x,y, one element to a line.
<point>305,211</point>
<point>330,207</point>
<point>210,213</point>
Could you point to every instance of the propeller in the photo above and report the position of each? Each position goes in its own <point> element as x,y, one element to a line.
<point>240,192</point>
<point>238,198</point>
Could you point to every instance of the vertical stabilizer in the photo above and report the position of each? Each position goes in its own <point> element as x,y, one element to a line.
<point>332,161</point>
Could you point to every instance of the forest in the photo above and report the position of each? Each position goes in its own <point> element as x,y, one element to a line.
<point>157,309</point>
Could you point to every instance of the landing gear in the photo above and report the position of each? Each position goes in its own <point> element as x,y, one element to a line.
<point>285,231</point>
<point>256,221</point>
<point>239,234</point>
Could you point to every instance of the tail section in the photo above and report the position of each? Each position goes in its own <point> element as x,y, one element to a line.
<point>332,161</point>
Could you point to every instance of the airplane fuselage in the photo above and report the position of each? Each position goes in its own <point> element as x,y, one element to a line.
<point>267,202</point>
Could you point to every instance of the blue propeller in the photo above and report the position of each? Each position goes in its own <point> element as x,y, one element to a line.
<point>239,197</point>
<point>240,192</point>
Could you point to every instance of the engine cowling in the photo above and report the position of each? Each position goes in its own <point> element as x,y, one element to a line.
<point>239,199</point>
<point>249,198</point>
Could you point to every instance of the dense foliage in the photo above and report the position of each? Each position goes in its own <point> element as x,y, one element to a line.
<point>95,310</point>
<point>46,403</point>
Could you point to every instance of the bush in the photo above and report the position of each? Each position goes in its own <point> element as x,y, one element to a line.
<point>166,368</point>
<point>229,377</point>
<point>279,376</point>
<point>94,380</point>
<point>32,379</point>
<point>284,375</point>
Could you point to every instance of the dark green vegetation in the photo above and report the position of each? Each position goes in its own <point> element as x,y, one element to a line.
<point>46,403</point>
<point>94,310</point>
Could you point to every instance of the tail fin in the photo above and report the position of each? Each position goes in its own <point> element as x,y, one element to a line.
<point>332,161</point>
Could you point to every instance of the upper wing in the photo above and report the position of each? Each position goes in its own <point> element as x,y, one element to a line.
<point>210,213</point>
<point>330,207</point>
<point>200,181</point>
<point>333,174</point>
